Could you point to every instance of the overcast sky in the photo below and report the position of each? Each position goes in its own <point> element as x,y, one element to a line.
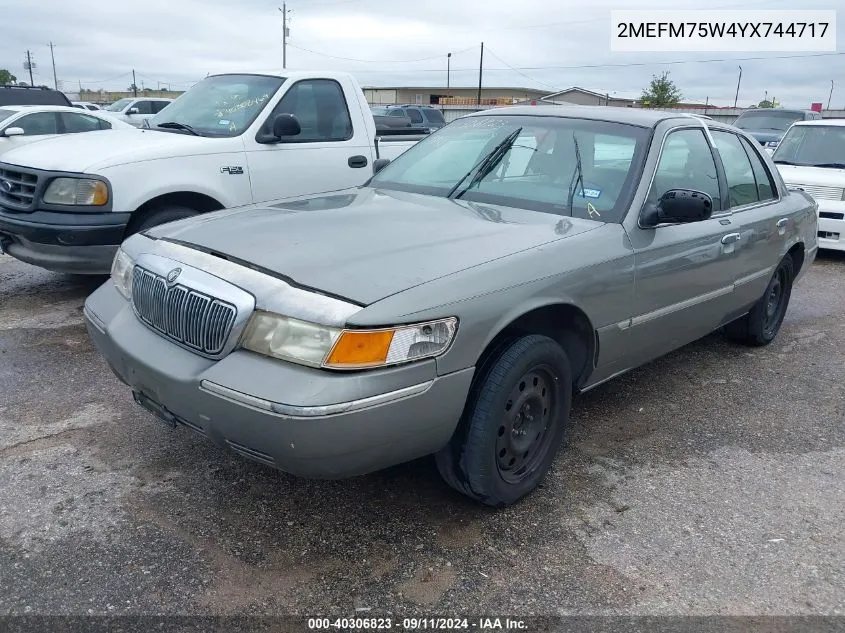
<point>396,43</point>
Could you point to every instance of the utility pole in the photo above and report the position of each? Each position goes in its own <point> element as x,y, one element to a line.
<point>134,87</point>
<point>737,86</point>
<point>285,34</point>
<point>480,71</point>
<point>53,57</point>
<point>29,65</point>
<point>448,71</point>
<point>830,96</point>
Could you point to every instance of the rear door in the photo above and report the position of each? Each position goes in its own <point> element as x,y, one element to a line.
<point>330,153</point>
<point>684,273</point>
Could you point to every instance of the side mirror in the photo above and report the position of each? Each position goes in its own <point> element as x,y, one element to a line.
<point>379,164</point>
<point>286,125</point>
<point>14,131</point>
<point>679,206</point>
<point>132,111</point>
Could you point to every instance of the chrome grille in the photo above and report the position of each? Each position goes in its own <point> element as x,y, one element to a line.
<point>17,188</point>
<point>194,319</point>
<point>821,192</point>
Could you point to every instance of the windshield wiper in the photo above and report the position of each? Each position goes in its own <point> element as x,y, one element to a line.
<point>830,165</point>
<point>178,126</point>
<point>577,176</point>
<point>486,164</point>
<point>789,162</point>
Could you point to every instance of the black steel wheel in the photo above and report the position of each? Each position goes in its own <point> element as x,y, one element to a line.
<point>513,423</point>
<point>761,325</point>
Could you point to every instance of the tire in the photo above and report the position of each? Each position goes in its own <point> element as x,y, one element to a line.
<point>761,325</point>
<point>513,422</point>
<point>156,216</point>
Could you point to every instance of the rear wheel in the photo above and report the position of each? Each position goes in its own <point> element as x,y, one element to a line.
<point>761,325</point>
<point>513,423</point>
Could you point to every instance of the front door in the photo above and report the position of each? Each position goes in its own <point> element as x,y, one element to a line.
<point>684,273</point>
<point>328,154</point>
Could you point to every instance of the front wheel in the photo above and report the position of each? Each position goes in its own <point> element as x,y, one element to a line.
<point>159,215</point>
<point>513,423</point>
<point>761,325</point>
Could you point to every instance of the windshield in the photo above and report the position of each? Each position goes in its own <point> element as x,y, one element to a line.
<point>117,106</point>
<point>812,145</point>
<point>5,114</point>
<point>538,171</point>
<point>224,105</point>
<point>767,120</point>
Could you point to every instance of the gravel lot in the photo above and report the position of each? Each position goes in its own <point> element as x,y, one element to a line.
<point>711,481</point>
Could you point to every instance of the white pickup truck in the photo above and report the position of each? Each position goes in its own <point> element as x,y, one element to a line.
<point>232,139</point>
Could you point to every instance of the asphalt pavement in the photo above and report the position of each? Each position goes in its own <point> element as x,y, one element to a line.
<point>711,481</point>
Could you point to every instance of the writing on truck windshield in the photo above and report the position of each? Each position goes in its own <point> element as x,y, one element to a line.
<point>224,105</point>
<point>574,167</point>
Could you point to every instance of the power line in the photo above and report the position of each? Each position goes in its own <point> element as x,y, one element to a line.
<point>377,61</point>
<point>102,81</point>
<point>519,72</point>
<point>625,65</point>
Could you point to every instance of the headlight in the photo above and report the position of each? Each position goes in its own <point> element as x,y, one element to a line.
<point>77,191</point>
<point>121,273</point>
<point>320,346</point>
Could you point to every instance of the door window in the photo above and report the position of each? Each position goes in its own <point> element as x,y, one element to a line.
<point>414,115</point>
<point>74,123</point>
<point>320,107</point>
<point>765,184</point>
<point>686,162</point>
<point>38,123</point>
<point>742,186</point>
<point>144,107</point>
<point>158,106</point>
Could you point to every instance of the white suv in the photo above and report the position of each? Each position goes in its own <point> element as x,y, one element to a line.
<point>134,110</point>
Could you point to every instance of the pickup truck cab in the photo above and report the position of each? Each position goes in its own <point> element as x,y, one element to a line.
<point>811,157</point>
<point>231,140</point>
<point>768,125</point>
<point>135,111</point>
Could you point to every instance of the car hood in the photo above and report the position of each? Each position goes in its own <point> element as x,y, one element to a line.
<point>367,244</point>
<point>814,176</point>
<point>93,151</point>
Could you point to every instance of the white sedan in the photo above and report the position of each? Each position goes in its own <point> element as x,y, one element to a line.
<point>134,110</point>
<point>20,125</point>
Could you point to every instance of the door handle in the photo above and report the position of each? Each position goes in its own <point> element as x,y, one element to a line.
<point>781,224</point>
<point>730,238</point>
<point>356,162</point>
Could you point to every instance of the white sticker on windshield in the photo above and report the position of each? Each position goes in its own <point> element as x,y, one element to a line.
<point>591,193</point>
<point>223,122</point>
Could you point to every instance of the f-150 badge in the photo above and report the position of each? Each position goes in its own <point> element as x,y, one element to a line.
<point>232,170</point>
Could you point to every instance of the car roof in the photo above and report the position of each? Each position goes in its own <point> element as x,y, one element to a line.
<point>837,122</point>
<point>39,108</point>
<point>767,110</point>
<point>632,116</point>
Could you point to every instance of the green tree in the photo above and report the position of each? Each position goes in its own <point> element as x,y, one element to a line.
<point>769,103</point>
<point>132,88</point>
<point>661,92</point>
<point>6,77</point>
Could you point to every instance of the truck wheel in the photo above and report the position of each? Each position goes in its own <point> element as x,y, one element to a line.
<point>761,325</point>
<point>161,215</point>
<point>513,423</point>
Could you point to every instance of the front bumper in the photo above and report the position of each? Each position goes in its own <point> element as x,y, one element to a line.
<point>81,243</point>
<point>831,225</point>
<point>331,424</point>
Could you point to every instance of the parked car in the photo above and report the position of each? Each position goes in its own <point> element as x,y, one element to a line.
<point>425,117</point>
<point>811,157</point>
<point>768,125</point>
<point>135,110</point>
<point>455,303</point>
<point>31,95</point>
<point>86,105</point>
<point>390,118</point>
<point>231,140</point>
<point>21,125</point>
